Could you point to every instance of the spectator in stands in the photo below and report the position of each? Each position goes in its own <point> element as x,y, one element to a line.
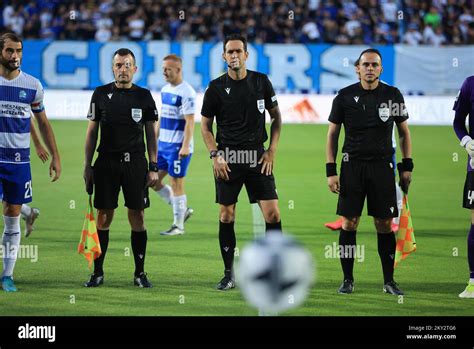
<point>17,21</point>
<point>413,36</point>
<point>389,10</point>
<point>310,32</point>
<point>456,38</point>
<point>136,25</point>
<point>352,26</point>
<point>343,21</point>
<point>104,29</point>
<point>330,28</point>
<point>32,27</point>
<point>432,18</point>
<point>470,34</point>
<point>438,39</point>
<point>7,14</point>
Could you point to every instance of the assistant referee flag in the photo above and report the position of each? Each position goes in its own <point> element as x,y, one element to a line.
<point>406,243</point>
<point>89,246</point>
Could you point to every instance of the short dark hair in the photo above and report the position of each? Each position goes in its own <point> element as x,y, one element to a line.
<point>370,50</point>
<point>124,52</point>
<point>9,36</point>
<point>236,37</point>
<point>356,63</point>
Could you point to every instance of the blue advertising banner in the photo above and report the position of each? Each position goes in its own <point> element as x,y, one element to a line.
<point>291,67</point>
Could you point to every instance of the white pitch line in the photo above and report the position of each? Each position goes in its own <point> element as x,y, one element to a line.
<point>258,221</point>
<point>259,231</point>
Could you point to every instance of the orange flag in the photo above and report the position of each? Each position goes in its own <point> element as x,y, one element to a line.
<point>406,243</point>
<point>89,246</point>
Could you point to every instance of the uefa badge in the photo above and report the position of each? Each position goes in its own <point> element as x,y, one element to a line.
<point>384,114</point>
<point>136,114</point>
<point>261,105</point>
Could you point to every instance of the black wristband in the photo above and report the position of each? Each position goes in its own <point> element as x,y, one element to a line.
<point>331,169</point>
<point>212,154</point>
<point>406,165</point>
<point>153,166</point>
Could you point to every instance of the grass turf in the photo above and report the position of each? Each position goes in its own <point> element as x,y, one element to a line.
<point>185,269</point>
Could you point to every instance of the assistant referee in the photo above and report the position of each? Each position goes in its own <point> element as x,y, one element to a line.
<point>238,100</point>
<point>368,109</point>
<point>121,110</point>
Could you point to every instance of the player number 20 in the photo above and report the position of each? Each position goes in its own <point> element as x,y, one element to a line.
<point>28,190</point>
<point>177,166</point>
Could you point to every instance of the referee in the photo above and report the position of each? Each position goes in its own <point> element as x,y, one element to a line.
<point>121,109</point>
<point>368,110</point>
<point>237,100</point>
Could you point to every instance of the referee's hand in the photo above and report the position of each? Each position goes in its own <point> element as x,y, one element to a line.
<point>89,179</point>
<point>151,178</point>
<point>267,160</point>
<point>405,180</point>
<point>333,184</point>
<point>221,168</point>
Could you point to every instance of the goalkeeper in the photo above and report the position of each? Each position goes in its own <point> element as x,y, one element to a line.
<point>463,107</point>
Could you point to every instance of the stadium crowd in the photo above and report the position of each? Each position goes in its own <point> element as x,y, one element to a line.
<point>436,22</point>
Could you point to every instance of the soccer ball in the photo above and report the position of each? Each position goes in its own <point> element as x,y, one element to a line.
<point>275,273</point>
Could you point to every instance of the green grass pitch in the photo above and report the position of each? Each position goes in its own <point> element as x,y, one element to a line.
<point>185,269</point>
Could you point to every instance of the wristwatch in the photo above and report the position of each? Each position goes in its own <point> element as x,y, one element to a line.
<point>213,154</point>
<point>153,166</point>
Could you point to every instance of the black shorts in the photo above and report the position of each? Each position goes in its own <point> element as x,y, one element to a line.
<point>112,172</point>
<point>259,186</point>
<point>468,195</point>
<point>374,179</point>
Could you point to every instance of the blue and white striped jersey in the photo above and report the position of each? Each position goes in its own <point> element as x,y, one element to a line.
<point>176,102</point>
<point>18,98</point>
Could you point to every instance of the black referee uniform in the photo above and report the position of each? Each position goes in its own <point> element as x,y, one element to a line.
<point>121,163</point>
<point>122,114</point>
<point>239,108</point>
<point>367,169</point>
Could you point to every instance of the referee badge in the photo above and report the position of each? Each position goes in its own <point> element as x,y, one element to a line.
<point>136,114</point>
<point>261,105</point>
<point>384,114</point>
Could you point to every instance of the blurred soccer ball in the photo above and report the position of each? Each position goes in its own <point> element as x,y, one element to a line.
<point>275,273</point>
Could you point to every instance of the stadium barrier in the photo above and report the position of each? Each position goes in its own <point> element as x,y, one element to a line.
<point>295,108</point>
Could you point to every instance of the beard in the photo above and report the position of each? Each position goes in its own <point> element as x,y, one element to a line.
<point>123,80</point>
<point>234,67</point>
<point>371,79</point>
<point>10,65</point>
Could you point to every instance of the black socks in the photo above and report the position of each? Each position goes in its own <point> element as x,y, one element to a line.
<point>104,243</point>
<point>347,246</point>
<point>272,226</point>
<point>139,239</point>
<point>227,244</point>
<point>386,246</point>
